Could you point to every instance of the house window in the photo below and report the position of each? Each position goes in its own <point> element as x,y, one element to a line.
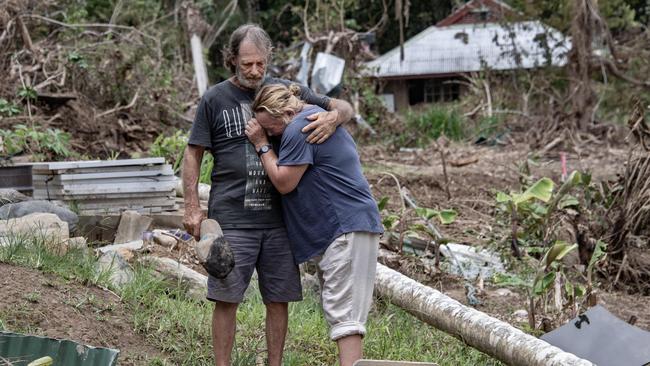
<point>433,90</point>
<point>441,90</point>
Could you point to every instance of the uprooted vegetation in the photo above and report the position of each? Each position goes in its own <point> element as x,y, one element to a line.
<point>111,85</point>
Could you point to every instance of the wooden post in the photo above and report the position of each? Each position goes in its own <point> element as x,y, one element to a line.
<point>199,64</point>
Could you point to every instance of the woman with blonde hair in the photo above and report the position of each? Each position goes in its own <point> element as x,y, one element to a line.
<point>328,209</point>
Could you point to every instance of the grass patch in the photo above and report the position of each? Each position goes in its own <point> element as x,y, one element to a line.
<point>181,326</point>
<point>37,252</point>
<point>430,123</point>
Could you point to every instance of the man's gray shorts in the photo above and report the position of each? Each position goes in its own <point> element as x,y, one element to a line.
<point>266,250</point>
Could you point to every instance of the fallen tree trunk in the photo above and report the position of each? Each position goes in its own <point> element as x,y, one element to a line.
<point>489,335</point>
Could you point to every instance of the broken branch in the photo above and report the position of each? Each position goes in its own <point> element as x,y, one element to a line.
<point>117,109</point>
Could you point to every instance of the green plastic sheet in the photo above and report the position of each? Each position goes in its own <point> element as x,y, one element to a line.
<point>20,350</point>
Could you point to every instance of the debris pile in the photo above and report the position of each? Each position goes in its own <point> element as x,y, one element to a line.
<point>108,187</point>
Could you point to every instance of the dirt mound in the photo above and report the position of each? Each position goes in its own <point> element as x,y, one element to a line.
<point>43,304</point>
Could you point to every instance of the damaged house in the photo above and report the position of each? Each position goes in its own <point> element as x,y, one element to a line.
<point>477,36</point>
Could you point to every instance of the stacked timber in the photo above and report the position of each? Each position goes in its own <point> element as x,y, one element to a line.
<point>108,187</point>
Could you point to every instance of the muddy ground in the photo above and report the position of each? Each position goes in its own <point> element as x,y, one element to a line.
<point>472,188</point>
<point>44,304</point>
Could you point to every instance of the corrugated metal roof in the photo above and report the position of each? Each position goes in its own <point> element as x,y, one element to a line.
<point>468,47</point>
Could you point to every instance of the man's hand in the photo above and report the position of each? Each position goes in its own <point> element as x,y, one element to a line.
<point>324,124</point>
<point>256,134</point>
<point>192,220</point>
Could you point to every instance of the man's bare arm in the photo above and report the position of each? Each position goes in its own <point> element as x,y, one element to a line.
<point>324,123</point>
<point>190,172</point>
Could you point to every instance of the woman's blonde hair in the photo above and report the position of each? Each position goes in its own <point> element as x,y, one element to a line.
<point>276,99</point>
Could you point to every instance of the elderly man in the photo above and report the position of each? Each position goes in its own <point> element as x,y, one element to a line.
<point>242,199</point>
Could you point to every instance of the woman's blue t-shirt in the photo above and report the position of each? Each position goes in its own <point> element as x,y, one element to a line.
<point>332,198</point>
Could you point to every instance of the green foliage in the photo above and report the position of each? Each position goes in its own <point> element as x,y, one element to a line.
<point>172,148</point>
<point>445,216</point>
<point>618,14</point>
<point>540,212</point>
<point>487,130</point>
<point>9,109</point>
<point>388,219</point>
<point>598,256</point>
<point>431,123</point>
<point>558,251</point>
<point>541,190</point>
<point>78,59</point>
<point>206,169</point>
<point>509,280</point>
<point>370,105</point>
<point>28,93</point>
<point>45,144</point>
<point>533,209</point>
<point>552,271</point>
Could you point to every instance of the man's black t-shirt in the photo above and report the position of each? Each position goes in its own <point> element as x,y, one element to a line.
<point>242,195</point>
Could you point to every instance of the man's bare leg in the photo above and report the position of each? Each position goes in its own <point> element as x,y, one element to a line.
<point>224,323</point>
<point>350,349</point>
<point>277,317</point>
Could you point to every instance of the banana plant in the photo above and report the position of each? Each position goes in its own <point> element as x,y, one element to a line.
<point>550,276</point>
<point>518,203</point>
<point>429,229</point>
<point>444,216</point>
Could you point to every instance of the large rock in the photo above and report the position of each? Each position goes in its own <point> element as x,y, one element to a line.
<point>24,208</point>
<point>132,245</point>
<point>131,227</point>
<point>8,195</point>
<point>120,271</point>
<point>37,224</point>
<point>196,283</point>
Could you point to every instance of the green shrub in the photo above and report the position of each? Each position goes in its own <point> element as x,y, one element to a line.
<point>8,109</point>
<point>172,148</point>
<point>43,144</point>
<point>431,123</point>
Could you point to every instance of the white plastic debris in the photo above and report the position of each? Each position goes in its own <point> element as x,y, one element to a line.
<point>473,262</point>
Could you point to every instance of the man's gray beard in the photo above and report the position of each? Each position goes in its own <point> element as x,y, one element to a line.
<point>246,83</point>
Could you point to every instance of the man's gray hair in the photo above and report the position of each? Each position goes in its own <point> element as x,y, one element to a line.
<point>251,32</point>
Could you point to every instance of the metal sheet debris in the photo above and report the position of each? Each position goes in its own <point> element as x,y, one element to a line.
<point>21,349</point>
<point>303,73</point>
<point>602,338</point>
<point>327,72</point>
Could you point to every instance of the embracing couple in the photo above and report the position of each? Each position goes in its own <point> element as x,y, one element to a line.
<point>282,195</point>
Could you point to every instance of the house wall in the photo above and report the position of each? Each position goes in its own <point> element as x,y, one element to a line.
<point>399,88</point>
<point>400,92</point>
